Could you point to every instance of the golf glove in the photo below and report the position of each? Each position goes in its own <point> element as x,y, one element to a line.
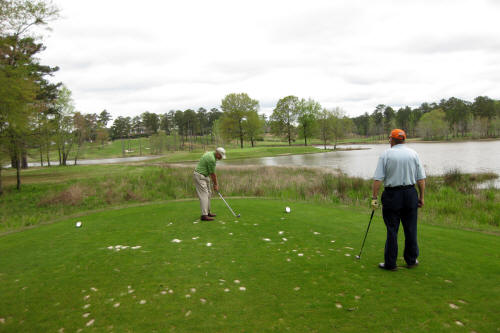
<point>374,204</point>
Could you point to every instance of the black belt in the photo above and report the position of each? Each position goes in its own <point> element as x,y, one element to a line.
<point>395,188</point>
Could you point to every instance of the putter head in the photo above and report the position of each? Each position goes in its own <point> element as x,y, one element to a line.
<point>238,215</point>
<point>358,257</point>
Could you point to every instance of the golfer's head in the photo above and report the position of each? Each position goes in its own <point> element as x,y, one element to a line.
<point>220,153</point>
<point>397,136</point>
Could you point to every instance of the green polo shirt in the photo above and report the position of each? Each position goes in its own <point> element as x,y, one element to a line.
<point>206,165</point>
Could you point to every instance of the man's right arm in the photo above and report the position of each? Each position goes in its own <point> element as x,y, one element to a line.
<point>421,191</point>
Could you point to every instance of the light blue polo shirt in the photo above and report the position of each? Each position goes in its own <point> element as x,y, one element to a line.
<point>399,166</point>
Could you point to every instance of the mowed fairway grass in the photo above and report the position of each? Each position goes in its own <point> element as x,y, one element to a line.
<point>265,271</point>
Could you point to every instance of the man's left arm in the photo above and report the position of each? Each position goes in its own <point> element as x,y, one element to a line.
<point>213,176</point>
<point>375,190</point>
<point>378,177</point>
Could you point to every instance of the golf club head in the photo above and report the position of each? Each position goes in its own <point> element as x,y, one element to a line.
<point>358,257</point>
<point>238,215</point>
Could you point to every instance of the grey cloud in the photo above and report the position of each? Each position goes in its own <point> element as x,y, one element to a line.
<point>98,31</point>
<point>434,45</point>
<point>318,26</point>
<point>242,69</point>
<point>124,87</point>
<point>357,97</point>
<point>369,74</point>
<point>360,79</point>
<point>267,103</point>
<point>73,64</point>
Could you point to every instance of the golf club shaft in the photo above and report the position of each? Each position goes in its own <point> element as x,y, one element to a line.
<point>364,239</point>
<point>220,195</point>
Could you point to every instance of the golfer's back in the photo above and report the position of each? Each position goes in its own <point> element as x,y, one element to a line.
<point>399,166</point>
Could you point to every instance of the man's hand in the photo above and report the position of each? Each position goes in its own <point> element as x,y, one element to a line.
<point>216,188</point>
<point>421,203</point>
<point>374,204</point>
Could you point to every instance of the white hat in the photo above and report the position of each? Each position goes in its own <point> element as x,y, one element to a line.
<point>222,152</point>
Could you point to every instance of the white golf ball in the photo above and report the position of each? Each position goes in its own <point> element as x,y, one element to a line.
<point>78,224</point>
<point>287,209</point>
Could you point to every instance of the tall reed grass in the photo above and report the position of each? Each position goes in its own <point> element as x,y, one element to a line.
<point>453,199</point>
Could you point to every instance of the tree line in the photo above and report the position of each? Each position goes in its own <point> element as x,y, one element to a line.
<point>449,118</point>
<point>186,127</point>
<point>297,118</point>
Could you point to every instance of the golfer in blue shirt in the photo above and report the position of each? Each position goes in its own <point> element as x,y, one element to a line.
<point>399,168</point>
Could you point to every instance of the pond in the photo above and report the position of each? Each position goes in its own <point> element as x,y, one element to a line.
<point>437,158</point>
<point>96,161</point>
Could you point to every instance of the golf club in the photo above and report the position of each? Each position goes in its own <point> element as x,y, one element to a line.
<point>220,195</point>
<point>371,217</point>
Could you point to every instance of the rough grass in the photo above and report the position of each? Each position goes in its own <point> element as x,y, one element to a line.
<point>458,204</point>
<point>267,271</point>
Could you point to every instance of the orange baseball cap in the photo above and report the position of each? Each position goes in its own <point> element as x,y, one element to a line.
<point>398,134</point>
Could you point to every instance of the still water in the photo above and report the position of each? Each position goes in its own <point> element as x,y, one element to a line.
<point>98,161</point>
<point>437,158</point>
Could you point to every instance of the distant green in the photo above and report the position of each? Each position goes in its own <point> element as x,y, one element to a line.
<point>171,150</point>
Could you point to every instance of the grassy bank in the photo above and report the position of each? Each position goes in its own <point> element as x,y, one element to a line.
<point>156,268</point>
<point>52,193</point>
<point>143,147</point>
<point>239,153</point>
<point>114,150</point>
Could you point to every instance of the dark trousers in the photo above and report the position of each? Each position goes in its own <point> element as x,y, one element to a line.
<point>400,205</point>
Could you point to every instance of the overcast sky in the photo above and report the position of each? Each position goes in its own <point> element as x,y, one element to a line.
<point>134,56</point>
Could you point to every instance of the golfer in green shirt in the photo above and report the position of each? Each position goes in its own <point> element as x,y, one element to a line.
<point>204,172</point>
